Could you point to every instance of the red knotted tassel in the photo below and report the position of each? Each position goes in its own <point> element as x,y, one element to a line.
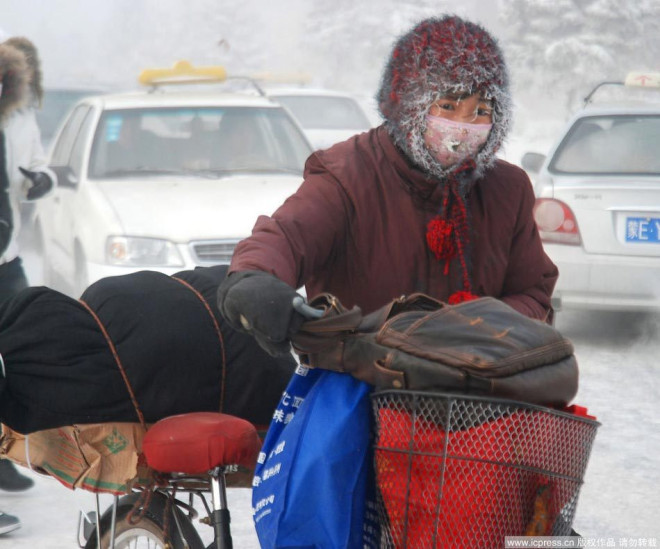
<point>461,296</point>
<point>440,238</point>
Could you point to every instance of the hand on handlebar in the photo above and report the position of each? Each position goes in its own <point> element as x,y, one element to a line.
<point>262,305</point>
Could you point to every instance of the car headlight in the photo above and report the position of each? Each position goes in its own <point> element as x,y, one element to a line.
<point>143,252</point>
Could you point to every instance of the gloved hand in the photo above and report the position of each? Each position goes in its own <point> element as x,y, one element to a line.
<point>260,304</point>
<point>5,235</point>
<point>41,183</point>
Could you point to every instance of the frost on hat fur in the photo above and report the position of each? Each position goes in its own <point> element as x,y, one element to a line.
<point>440,56</point>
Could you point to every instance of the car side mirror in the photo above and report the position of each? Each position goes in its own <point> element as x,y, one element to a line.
<point>65,176</point>
<point>532,162</point>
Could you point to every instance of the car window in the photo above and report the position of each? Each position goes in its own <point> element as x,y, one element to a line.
<point>610,145</point>
<point>325,112</point>
<point>56,104</point>
<point>62,150</point>
<point>78,151</point>
<point>205,139</point>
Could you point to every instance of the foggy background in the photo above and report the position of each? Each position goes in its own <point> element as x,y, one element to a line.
<point>557,50</point>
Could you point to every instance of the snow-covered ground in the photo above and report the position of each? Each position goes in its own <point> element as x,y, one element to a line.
<point>620,381</point>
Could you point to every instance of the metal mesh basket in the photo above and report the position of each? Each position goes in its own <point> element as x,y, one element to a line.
<point>462,471</point>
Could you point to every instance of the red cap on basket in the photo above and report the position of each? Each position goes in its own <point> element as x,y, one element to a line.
<point>580,411</point>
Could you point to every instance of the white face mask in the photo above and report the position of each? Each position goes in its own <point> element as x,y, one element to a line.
<point>451,142</point>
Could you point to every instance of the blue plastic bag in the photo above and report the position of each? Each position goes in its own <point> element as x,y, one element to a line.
<point>310,487</point>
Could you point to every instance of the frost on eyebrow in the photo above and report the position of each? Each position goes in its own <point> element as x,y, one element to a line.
<point>458,96</point>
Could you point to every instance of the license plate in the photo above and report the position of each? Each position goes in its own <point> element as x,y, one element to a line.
<point>643,229</point>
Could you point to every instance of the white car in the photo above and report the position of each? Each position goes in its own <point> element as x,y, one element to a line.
<point>163,181</point>
<point>326,116</point>
<point>598,204</point>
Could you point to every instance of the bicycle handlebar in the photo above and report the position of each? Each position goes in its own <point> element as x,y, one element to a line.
<point>310,313</point>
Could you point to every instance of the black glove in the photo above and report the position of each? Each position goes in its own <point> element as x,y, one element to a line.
<point>41,183</point>
<point>5,235</point>
<point>260,304</point>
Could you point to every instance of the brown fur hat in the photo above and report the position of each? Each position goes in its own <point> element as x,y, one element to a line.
<point>14,75</point>
<point>34,64</point>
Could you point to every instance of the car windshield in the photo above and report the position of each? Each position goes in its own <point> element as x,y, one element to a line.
<point>610,145</point>
<point>325,112</point>
<point>200,141</point>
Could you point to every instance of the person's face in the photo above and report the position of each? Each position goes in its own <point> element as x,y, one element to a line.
<point>457,127</point>
<point>472,109</point>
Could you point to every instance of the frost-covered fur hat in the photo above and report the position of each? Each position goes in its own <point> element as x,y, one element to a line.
<point>29,50</point>
<point>14,80</point>
<point>439,56</point>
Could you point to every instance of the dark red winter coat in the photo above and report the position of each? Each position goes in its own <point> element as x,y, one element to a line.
<point>357,228</point>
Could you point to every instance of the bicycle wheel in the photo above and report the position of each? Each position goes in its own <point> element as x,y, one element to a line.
<point>149,531</point>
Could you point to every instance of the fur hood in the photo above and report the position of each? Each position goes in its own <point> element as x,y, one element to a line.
<point>14,75</point>
<point>29,50</point>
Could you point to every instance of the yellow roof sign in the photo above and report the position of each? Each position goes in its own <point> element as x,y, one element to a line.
<point>183,72</point>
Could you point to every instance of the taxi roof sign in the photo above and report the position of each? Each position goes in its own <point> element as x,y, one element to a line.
<point>183,72</point>
<point>643,79</point>
<point>635,79</point>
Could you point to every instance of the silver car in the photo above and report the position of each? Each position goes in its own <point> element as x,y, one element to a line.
<point>598,207</point>
<point>326,116</point>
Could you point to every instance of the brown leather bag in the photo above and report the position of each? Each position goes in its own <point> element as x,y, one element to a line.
<point>481,346</point>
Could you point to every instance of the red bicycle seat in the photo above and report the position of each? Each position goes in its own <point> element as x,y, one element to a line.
<point>199,441</point>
